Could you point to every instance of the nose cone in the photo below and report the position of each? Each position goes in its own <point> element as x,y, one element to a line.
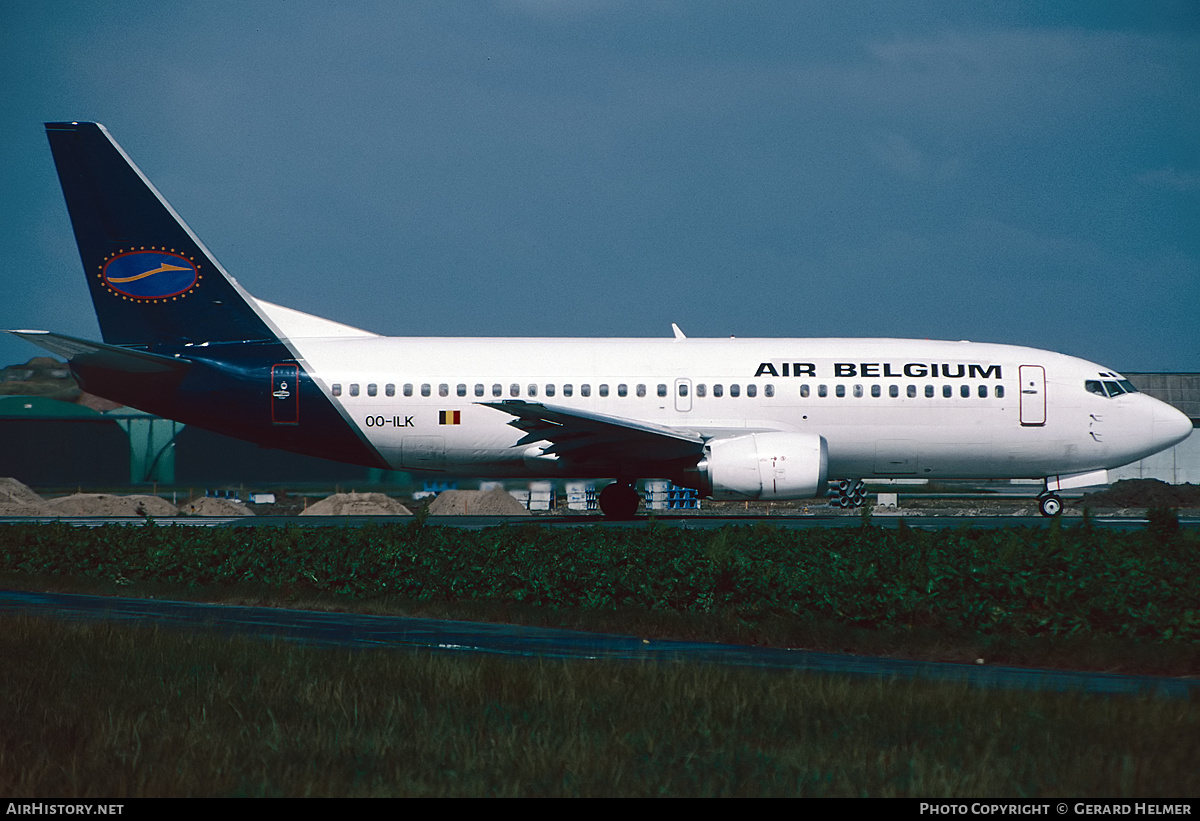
<point>1171,426</point>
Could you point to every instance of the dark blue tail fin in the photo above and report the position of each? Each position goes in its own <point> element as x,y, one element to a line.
<point>152,281</point>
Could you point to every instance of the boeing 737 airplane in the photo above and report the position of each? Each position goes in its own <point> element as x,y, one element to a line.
<point>735,418</point>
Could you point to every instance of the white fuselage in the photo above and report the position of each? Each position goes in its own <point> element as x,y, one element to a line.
<point>887,407</point>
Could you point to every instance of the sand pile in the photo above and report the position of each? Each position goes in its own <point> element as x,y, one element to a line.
<point>476,503</point>
<point>16,499</point>
<point>1145,493</point>
<point>357,504</point>
<point>104,504</point>
<point>210,506</point>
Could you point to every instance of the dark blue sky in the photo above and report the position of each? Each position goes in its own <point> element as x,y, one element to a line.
<point>1020,172</point>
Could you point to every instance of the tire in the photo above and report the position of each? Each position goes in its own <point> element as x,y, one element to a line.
<point>1050,505</point>
<point>619,502</point>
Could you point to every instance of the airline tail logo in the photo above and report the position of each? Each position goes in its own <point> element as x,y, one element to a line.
<point>153,275</point>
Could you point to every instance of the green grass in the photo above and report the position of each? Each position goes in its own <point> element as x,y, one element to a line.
<point>118,710</point>
<point>1074,597</point>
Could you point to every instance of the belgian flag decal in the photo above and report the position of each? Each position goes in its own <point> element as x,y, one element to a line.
<point>449,417</point>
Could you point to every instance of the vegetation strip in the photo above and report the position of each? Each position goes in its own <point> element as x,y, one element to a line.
<point>359,631</point>
<point>112,709</point>
<point>743,585</point>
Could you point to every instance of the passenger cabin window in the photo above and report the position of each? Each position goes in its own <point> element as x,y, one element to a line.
<point>752,390</point>
<point>549,390</point>
<point>964,391</point>
<point>893,391</point>
<point>604,390</point>
<point>372,389</point>
<point>514,389</point>
<point>389,389</point>
<point>803,391</point>
<point>769,390</point>
<point>336,387</point>
<point>532,390</point>
<point>443,389</point>
<point>461,390</point>
<point>662,390</point>
<point>479,389</point>
<point>718,390</point>
<point>354,389</point>
<point>585,390</point>
<point>911,391</point>
<point>425,390</point>
<point>822,391</point>
<point>683,389</point>
<point>408,388</point>
<point>497,389</point>
<point>568,389</point>
<point>947,391</point>
<point>622,390</point>
<point>999,391</point>
<point>701,389</point>
<point>641,390</point>
<point>840,390</point>
<point>735,390</point>
<point>929,391</point>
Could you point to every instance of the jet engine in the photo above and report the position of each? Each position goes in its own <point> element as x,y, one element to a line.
<point>775,465</point>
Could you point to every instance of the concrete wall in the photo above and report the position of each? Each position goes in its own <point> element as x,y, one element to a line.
<point>1177,466</point>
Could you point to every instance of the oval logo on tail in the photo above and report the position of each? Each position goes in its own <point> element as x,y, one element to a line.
<point>150,275</point>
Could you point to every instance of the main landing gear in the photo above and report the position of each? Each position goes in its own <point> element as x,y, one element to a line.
<point>619,501</point>
<point>1049,504</point>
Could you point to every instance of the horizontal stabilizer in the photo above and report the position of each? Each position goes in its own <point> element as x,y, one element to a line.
<point>100,355</point>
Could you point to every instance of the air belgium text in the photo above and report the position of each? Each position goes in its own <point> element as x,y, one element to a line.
<point>912,370</point>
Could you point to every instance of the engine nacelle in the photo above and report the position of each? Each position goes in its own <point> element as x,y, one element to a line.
<point>777,465</point>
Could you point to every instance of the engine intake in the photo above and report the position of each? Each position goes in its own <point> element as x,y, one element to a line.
<point>776,465</point>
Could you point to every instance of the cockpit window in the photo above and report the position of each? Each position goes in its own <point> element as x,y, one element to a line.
<point>1108,388</point>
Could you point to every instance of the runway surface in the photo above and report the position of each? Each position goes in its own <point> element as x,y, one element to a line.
<point>926,522</point>
<point>359,631</point>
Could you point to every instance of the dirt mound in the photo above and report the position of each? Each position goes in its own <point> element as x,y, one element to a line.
<point>12,490</point>
<point>476,503</point>
<point>104,504</point>
<point>16,499</point>
<point>357,504</point>
<point>209,506</point>
<point>1144,493</point>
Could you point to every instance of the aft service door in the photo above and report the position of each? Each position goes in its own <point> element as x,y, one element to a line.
<point>1033,395</point>
<point>285,394</point>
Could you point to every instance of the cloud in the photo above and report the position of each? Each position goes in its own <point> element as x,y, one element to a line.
<point>1171,178</point>
<point>899,154</point>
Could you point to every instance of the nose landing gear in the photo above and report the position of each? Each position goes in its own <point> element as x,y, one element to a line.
<point>1049,504</point>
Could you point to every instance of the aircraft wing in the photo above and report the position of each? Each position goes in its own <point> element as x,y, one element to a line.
<point>582,436</point>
